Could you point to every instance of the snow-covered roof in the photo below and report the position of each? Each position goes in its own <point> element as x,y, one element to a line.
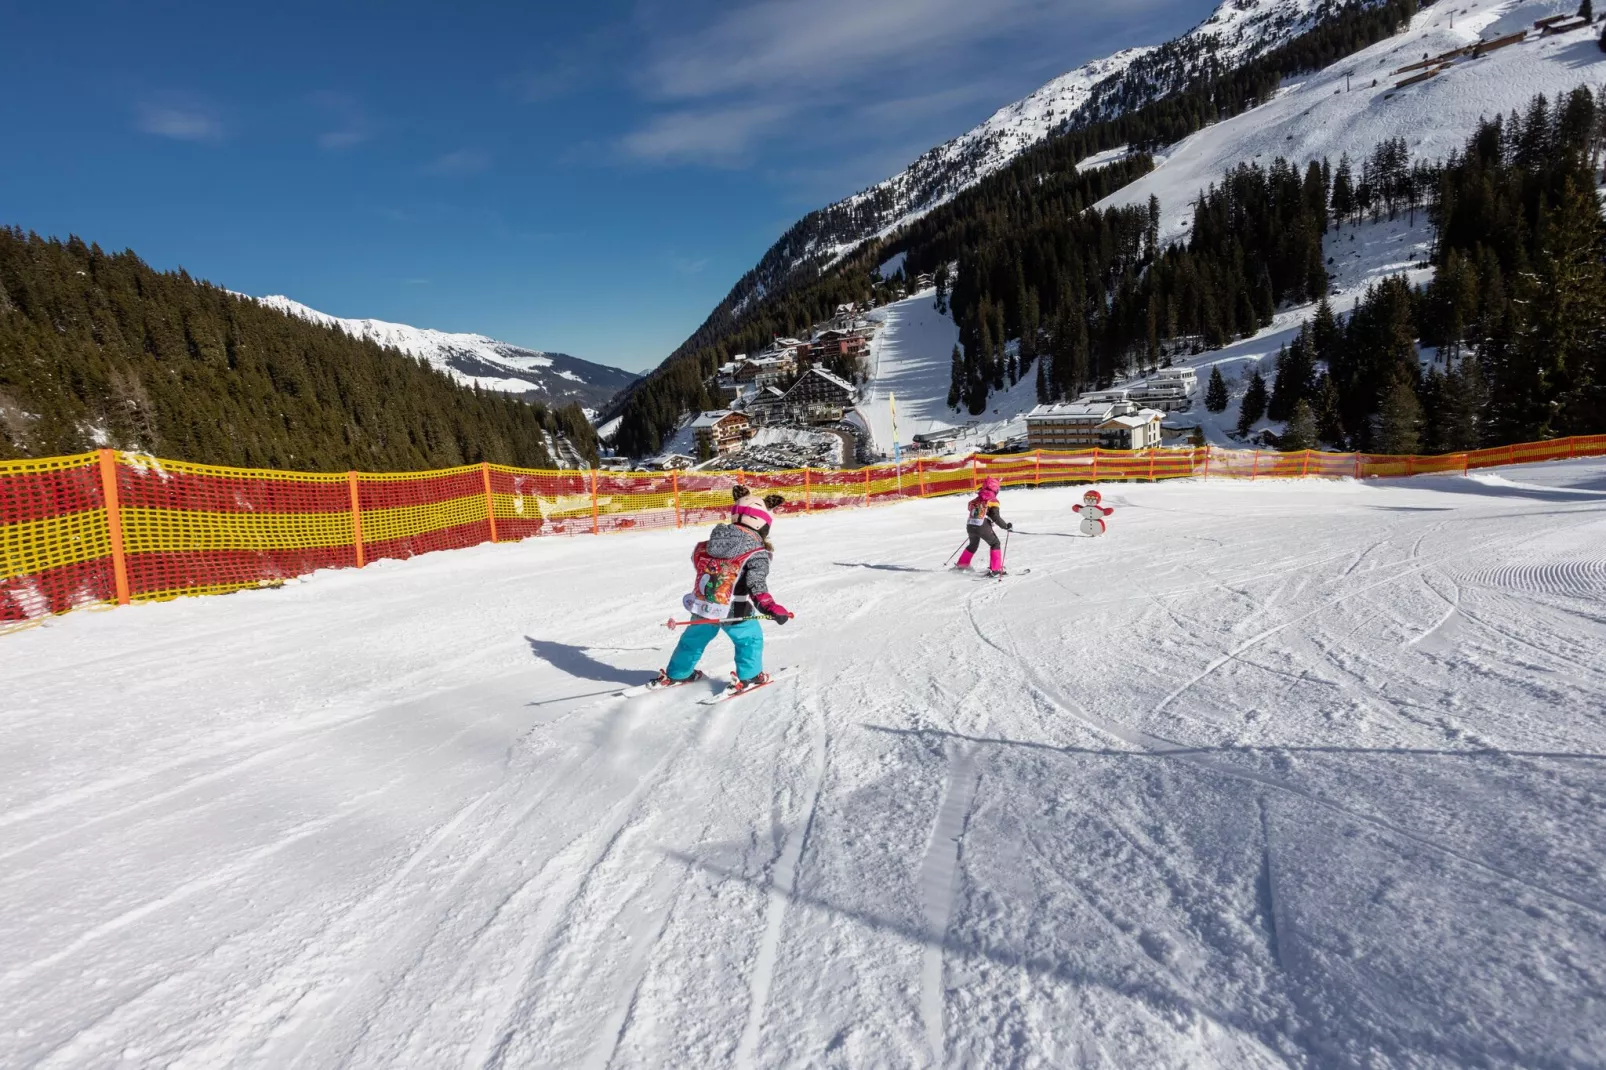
<point>1074,410</point>
<point>1137,419</point>
<point>714,419</point>
<point>833,378</point>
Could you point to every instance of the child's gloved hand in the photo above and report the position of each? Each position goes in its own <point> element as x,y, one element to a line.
<point>768,606</point>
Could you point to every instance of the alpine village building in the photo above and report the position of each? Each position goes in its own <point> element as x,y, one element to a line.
<point>721,431</point>
<point>1106,420</point>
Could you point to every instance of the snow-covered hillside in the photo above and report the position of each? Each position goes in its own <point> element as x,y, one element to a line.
<point>476,359</point>
<point>1316,117</point>
<point>910,361</point>
<point>1273,775</point>
<point>1235,32</point>
<point>1309,120</point>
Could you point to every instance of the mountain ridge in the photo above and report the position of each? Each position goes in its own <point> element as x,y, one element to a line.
<point>479,360</point>
<point>1237,31</point>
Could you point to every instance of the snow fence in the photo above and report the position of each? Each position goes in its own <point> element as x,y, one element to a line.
<point>111,527</point>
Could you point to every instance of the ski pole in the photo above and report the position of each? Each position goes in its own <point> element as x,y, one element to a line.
<point>672,623</point>
<point>951,556</point>
<point>1007,533</point>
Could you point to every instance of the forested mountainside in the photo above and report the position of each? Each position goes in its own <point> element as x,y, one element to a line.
<point>1516,310</point>
<point>1040,184</point>
<point>98,348</point>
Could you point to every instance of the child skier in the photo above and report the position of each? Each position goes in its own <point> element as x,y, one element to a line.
<point>733,568</point>
<point>979,525</point>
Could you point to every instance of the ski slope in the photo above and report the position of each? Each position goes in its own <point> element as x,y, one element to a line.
<point>1275,774</point>
<point>911,361</point>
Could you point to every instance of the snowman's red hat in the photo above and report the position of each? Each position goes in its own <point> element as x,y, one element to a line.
<point>1095,495</point>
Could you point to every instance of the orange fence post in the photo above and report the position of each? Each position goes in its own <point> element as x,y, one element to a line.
<point>920,470</point>
<point>1207,462</point>
<point>1151,464</point>
<point>1095,464</point>
<point>1572,448</point>
<point>490,502</point>
<point>973,482</point>
<point>1410,464</point>
<point>808,492</point>
<point>674,482</point>
<point>356,518</point>
<point>866,485</point>
<point>1357,466</point>
<point>1037,471</point>
<point>114,522</point>
<point>596,525</point>
<point>1466,463</point>
<point>1304,467</point>
<point>1255,471</point>
<point>1511,454</point>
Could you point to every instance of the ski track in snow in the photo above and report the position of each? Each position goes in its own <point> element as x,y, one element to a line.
<point>1274,774</point>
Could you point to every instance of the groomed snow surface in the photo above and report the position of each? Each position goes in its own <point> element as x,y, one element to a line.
<point>1273,774</point>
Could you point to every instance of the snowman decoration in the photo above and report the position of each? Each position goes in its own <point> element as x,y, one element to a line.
<point>1093,513</point>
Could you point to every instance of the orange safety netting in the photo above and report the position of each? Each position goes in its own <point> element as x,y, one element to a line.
<point>118,527</point>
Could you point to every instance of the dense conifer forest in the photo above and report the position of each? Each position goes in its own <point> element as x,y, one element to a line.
<point>1514,321</point>
<point>98,348</point>
<point>1168,96</point>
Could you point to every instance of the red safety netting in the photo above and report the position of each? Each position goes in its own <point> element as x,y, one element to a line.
<point>176,528</point>
<point>200,529</point>
<point>409,513</point>
<point>55,552</point>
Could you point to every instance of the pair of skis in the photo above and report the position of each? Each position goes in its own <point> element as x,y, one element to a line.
<point>732,689</point>
<point>990,575</point>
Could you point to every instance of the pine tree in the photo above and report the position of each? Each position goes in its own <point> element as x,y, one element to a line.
<point>1399,420</point>
<point>1586,10</point>
<point>1465,399</point>
<point>1216,392</point>
<point>1296,377</point>
<point>1301,431</point>
<point>956,378</point>
<point>1562,325</point>
<point>1329,419</point>
<point>1253,407</point>
<point>1343,190</point>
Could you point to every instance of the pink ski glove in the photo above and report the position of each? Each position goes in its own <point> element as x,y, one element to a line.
<point>768,606</point>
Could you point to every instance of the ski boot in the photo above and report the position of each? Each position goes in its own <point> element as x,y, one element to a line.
<point>738,684</point>
<point>665,680</point>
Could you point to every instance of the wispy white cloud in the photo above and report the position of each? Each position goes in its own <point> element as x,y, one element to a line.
<point>832,71</point>
<point>459,162</point>
<point>687,265</point>
<point>346,122</point>
<point>180,117</point>
<point>812,44</point>
<point>720,136</point>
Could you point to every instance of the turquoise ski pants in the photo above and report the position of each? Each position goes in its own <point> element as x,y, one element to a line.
<point>747,636</point>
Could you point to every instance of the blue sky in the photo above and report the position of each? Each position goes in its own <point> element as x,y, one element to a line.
<point>589,177</point>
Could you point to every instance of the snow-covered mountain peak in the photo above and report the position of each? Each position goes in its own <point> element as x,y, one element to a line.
<point>1236,31</point>
<point>475,359</point>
